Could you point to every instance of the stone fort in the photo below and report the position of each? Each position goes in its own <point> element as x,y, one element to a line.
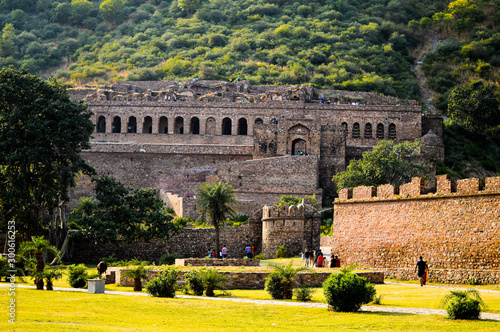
<point>266,141</point>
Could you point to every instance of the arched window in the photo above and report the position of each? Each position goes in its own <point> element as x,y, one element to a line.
<point>101,124</point>
<point>392,131</point>
<point>147,127</point>
<point>226,126</point>
<point>380,131</point>
<point>132,125</point>
<point>355,130</point>
<point>163,125</point>
<point>346,129</point>
<point>210,126</point>
<point>179,125</point>
<point>258,121</point>
<point>242,126</point>
<point>368,130</point>
<point>116,128</point>
<point>195,126</point>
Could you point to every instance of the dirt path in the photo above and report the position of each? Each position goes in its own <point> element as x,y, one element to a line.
<point>414,311</point>
<point>425,92</point>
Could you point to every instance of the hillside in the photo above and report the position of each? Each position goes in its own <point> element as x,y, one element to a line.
<point>336,44</point>
<point>344,44</point>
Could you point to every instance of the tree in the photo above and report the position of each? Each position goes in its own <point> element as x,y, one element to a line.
<point>476,105</point>
<point>386,163</point>
<point>123,213</point>
<point>38,247</point>
<point>112,10</point>
<point>214,201</point>
<point>189,6</point>
<point>138,273</point>
<point>42,134</point>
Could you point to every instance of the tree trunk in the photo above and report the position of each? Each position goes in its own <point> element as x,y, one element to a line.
<point>39,283</point>
<point>64,249</point>
<point>137,285</point>
<point>48,286</point>
<point>217,238</point>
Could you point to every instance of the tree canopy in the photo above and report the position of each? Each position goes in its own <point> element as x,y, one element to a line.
<point>475,105</point>
<point>42,133</point>
<point>388,162</point>
<point>122,213</point>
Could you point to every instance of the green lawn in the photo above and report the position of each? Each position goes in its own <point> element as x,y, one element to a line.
<point>69,311</point>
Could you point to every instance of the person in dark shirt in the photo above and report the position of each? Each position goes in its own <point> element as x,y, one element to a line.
<point>421,269</point>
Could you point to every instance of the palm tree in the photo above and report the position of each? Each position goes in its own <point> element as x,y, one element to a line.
<point>280,282</point>
<point>463,304</point>
<point>38,246</point>
<point>214,201</point>
<point>138,273</point>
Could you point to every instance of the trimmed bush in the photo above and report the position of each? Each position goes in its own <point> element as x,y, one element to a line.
<point>303,293</point>
<point>463,304</point>
<point>77,275</point>
<point>194,282</point>
<point>347,292</point>
<point>274,285</point>
<point>163,285</point>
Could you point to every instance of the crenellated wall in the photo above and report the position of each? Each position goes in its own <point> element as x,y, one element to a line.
<point>456,227</point>
<point>295,227</point>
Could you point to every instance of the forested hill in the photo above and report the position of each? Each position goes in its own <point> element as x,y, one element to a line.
<point>360,45</point>
<point>345,44</point>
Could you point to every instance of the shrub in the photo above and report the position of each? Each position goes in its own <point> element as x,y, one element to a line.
<point>347,292</point>
<point>283,252</point>
<point>77,275</point>
<point>260,256</point>
<point>274,285</point>
<point>194,282</point>
<point>463,304</point>
<point>279,283</point>
<point>212,280</point>
<point>164,285</point>
<point>168,259</point>
<point>303,293</point>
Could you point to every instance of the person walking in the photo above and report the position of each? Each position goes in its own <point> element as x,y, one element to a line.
<point>421,269</point>
<point>224,252</point>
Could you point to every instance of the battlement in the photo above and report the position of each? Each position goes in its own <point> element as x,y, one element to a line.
<point>284,211</point>
<point>416,188</point>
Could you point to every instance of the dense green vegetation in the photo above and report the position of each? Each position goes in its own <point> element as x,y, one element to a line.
<point>343,44</point>
<point>347,44</point>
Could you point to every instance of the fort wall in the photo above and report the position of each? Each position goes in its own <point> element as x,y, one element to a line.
<point>191,242</point>
<point>377,227</point>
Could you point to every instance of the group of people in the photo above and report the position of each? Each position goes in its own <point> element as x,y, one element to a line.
<point>222,253</point>
<point>315,258</point>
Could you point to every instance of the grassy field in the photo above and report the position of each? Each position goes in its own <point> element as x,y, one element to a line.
<point>69,311</point>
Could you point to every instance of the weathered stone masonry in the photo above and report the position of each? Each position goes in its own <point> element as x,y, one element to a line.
<point>457,227</point>
<point>146,139</point>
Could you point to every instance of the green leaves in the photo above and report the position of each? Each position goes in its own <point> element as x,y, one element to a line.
<point>386,163</point>
<point>123,213</point>
<point>476,105</point>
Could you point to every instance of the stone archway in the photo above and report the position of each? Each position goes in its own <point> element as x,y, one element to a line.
<point>299,147</point>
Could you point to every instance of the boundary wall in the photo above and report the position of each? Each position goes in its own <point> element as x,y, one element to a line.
<point>456,228</point>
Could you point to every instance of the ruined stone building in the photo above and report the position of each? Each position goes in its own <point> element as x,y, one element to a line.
<point>266,141</point>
